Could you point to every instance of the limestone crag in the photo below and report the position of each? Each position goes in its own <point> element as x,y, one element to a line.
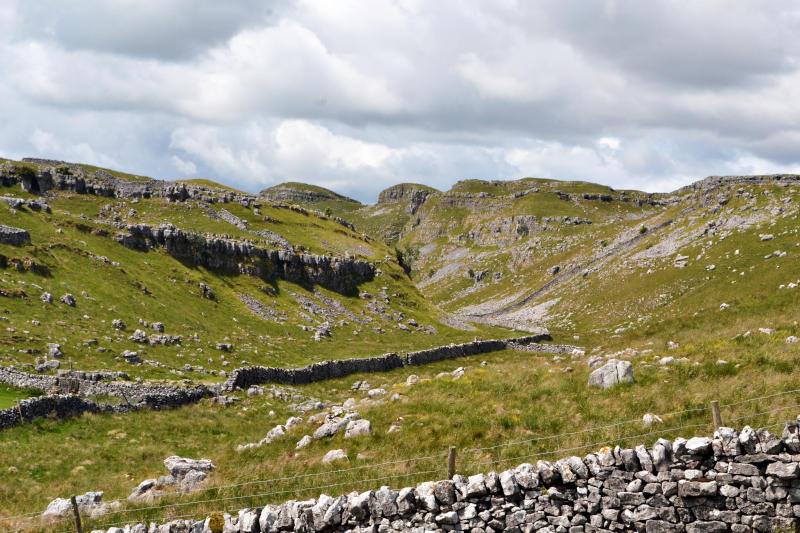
<point>715,182</point>
<point>101,183</point>
<point>412,194</point>
<point>738,481</point>
<point>338,274</point>
<point>294,194</point>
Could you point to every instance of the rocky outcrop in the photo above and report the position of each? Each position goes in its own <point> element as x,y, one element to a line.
<point>62,176</point>
<point>242,378</point>
<point>342,275</point>
<point>14,236</point>
<point>301,194</point>
<point>411,193</point>
<point>715,182</point>
<point>611,373</point>
<point>738,481</point>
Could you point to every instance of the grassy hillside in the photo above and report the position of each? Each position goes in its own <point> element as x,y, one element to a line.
<point>73,250</point>
<point>623,274</point>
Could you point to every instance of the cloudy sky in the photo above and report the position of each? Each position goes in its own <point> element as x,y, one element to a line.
<point>360,95</point>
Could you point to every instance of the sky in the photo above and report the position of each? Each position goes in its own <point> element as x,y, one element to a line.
<point>357,96</point>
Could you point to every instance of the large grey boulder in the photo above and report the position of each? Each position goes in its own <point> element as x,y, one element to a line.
<point>611,373</point>
<point>358,428</point>
<point>179,467</point>
<point>63,506</point>
<point>334,455</point>
<point>14,236</point>
<point>331,427</point>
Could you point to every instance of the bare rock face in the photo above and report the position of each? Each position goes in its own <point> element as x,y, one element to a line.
<point>415,195</point>
<point>341,275</point>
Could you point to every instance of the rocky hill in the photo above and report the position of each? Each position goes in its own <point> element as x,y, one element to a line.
<point>579,257</point>
<point>93,257</point>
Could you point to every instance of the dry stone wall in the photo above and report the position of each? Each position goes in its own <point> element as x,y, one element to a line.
<point>135,396</point>
<point>241,378</point>
<point>744,481</point>
<point>59,406</point>
<point>84,385</point>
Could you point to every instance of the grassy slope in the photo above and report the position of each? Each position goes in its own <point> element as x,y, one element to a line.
<point>516,396</point>
<point>69,245</point>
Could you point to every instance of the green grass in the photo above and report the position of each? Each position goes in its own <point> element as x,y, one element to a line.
<point>517,396</point>
<point>10,396</point>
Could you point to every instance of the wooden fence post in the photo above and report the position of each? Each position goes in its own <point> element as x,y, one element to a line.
<point>78,525</point>
<point>451,462</point>
<point>716,414</point>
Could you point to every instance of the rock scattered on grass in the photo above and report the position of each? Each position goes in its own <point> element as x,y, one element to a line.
<point>334,455</point>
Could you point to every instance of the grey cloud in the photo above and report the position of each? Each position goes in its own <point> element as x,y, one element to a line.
<point>406,91</point>
<point>703,44</point>
<point>156,29</point>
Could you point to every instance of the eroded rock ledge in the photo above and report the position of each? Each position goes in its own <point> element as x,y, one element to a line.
<point>341,275</point>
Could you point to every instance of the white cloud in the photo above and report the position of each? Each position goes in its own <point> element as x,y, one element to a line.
<point>187,168</point>
<point>47,143</point>
<point>334,93</point>
<point>299,140</point>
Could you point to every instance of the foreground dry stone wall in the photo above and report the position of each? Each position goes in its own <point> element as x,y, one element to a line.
<point>738,481</point>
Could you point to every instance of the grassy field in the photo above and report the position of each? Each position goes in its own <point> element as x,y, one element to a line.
<point>9,396</point>
<point>517,396</point>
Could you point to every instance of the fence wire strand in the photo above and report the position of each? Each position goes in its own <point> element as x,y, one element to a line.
<point>555,437</point>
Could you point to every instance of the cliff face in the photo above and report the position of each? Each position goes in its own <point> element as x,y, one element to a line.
<point>75,179</point>
<point>412,194</point>
<point>337,274</point>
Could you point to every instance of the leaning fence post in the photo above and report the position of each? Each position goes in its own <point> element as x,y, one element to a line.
<point>76,513</point>
<point>716,414</point>
<point>451,462</point>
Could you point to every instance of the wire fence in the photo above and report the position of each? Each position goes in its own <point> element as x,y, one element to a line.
<point>202,501</point>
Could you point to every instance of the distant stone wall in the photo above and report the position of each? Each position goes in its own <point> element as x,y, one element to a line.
<point>83,385</point>
<point>241,378</point>
<point>58,406</point>
<point>136,396</point>
<point>740,482</point>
